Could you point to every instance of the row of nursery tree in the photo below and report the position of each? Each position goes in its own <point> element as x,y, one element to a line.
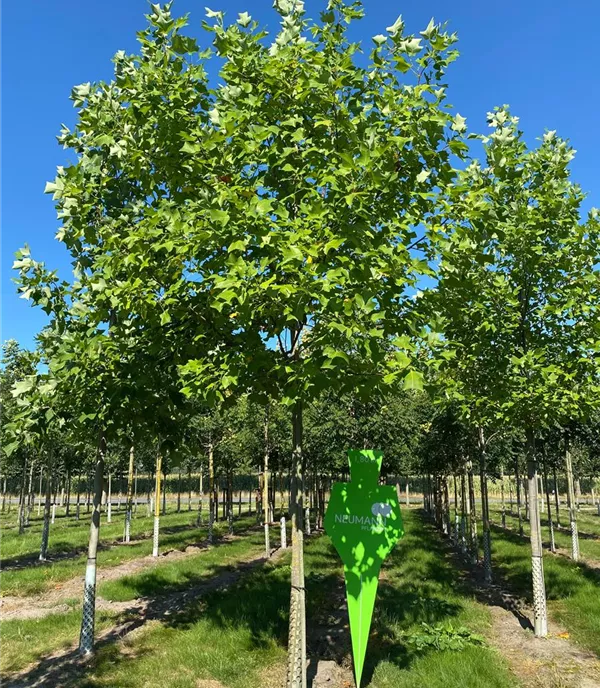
<point>318,231</point>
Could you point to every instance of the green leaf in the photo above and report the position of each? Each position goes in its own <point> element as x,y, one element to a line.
<point>238,245</point>
<point>413,380</point>
<point>22,387</point>
<point>219,216</point>
<point>244,19</point>
<point>291,253</point>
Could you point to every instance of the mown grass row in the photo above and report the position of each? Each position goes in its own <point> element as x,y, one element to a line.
<point>573,589</point>
<point>237,636</point>
<point>68,541</point>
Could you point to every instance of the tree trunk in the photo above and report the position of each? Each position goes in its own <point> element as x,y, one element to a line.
<point>68,507</point>
<point>447,529</point>
<point>518,488</point>
<point>86,637</point>
<point>474,539</point>
<point>230,502</point>
<point>189,489</point>
<point>200,498</point>
<point>456,517</point>
<point>39,509</point>
<point>556,498</point>
<point>540,620</point>
<point>465,513</point>
<point>128,507</point>
<point>266,519</point>
<point>149,508</point>
<point>109,500</point>
<point>216,499</point>
<point>571,502</point>
<point>47,509</point>
<point>296,668</point>
<point>502,500</point>
<point>157,504</point>
<point>485,511</point>
<point>179,491</point>
<point>547,490</point>
<point>21,516</point>
<point>135,492</point>
<point>211,492</point>
<point>30,497</point>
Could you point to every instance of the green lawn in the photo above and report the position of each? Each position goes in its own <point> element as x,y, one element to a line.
<point>237,636</point>
<point>588,525</point>
<point>69,536</point>
<point>573,589</point>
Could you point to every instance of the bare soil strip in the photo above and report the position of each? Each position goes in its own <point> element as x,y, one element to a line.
<point>55,601</point>
<point>64,667</point>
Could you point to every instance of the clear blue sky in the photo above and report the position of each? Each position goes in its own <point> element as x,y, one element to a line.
<point>541,57</point>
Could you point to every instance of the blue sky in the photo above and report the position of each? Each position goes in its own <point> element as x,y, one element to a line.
<point>538,56</point>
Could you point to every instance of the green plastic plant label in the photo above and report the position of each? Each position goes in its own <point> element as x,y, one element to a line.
<point>364,523</point>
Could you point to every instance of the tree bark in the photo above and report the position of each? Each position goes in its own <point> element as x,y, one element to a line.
<point>547,490</point>
<point>296,668</point>
<point>47,509</point>
<point>556,498</point>
<point>474,539</point>
<point>21,517</point>
<point>200,498</point>
<point>128,508</point>
<point>68,507</point>
<point>502,499</point>
<point>266,519</point>
<point>30,497</point>
<point>465,526</point>
<point>86,638</point>
<point>230,502</point>
<point>39,509</point>
<point>456,517</point>
<point>109,500</point>
<point>485,512</point>
<point>540,620</point>
<point>571,502</point>
<point>179,491</point>
<point>157,504</point>
<point>518,488</point>
<point>211,492</point>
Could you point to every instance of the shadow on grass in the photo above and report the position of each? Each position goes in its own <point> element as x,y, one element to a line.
<point>61,551</point>
<point>254,595</point>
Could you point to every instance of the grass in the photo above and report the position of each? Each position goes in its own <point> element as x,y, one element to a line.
<point>27,641</point>
<point>69,536</point>
<point>572,589</point>
<point>168,577</point>
<point>238,635</point>
<point>587,523</point>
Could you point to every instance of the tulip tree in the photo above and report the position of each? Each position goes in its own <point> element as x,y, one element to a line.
<point>265,235</point>
<point>518,292</point>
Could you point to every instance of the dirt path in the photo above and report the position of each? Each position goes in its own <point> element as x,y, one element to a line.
<point>55,601</point>
<point>64,668</point>
<point>551,662</point>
